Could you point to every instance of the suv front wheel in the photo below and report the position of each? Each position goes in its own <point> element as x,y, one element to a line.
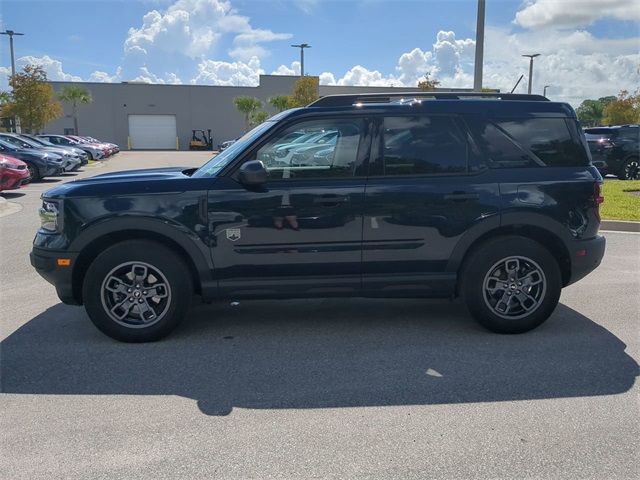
<point>511,284</point>
<point>137,291</point>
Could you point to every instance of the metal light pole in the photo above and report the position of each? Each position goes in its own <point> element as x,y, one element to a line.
<point>531,57</point>
<point>544,91</point>
<point>302,46</point>
<point>11,33</point>
<point>477,71</point>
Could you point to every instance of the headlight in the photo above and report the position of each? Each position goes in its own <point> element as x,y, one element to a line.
<point>49,216</point>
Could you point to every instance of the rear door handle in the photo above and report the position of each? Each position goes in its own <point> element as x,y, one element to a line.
<point>462,196</point>
<point>331,200</point>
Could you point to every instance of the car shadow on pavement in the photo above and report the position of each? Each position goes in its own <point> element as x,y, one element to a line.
<point>319,354</point>
<point>11,195</point>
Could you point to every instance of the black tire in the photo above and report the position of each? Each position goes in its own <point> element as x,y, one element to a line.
<point>89,156</point>
<point>33,172</point>
<point>162,317</point>
<point>484,294</point>
<point>630,169</point>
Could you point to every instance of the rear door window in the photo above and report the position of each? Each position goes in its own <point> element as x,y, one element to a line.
<point>422,145</point>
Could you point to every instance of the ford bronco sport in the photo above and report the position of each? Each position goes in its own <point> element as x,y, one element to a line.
<point>491,198</point>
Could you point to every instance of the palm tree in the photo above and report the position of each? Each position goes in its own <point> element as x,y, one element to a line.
<point>247,105</point>
<point>279,102</point>
<point>76,96</point>
<point>258,117</point>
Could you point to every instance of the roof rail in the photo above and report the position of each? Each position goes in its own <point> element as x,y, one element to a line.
<point>349,99</point>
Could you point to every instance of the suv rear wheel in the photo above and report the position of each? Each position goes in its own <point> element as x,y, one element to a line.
<point>511,284</point>
<point>630,170</point>
<point>137,291</point>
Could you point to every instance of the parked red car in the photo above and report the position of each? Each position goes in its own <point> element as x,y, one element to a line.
<point>13,173</point>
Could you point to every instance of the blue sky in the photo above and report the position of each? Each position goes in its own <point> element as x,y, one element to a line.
<point>365,42</point>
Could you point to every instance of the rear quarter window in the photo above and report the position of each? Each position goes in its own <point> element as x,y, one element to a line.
<point>545,142</point>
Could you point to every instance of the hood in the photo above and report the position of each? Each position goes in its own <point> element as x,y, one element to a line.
<point>139,175</point>
<point>12,161</point>
<point>130,181</point>
<point>31,153</point>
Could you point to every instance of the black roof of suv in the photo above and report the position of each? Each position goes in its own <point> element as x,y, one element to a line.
<point>491,198</point>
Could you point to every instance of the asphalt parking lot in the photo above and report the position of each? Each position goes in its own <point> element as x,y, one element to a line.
<point>356,388</point>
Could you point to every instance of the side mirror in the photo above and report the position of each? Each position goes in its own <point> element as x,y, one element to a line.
<point>253,173</point>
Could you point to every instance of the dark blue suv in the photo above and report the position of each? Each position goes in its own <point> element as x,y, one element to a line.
<point>492,198</point>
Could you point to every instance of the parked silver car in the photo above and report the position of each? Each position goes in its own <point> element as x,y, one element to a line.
<point>70,161</point>
<point>84,156</point>
<point>94,152</point>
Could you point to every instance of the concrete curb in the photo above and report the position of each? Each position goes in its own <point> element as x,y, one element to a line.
<point>620,226</point>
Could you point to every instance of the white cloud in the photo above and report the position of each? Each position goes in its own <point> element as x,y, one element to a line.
<point>213,72</point>
<point>575,13</point>
<point>294,69</point>
<point>189,31</point>
<point>50,65</point>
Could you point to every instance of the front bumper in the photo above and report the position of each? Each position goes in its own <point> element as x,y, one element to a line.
<point>45,263</point>
<point>586,255</point>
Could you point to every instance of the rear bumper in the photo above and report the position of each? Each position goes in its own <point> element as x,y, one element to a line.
<point>45,263</point>
<point>586,255</point>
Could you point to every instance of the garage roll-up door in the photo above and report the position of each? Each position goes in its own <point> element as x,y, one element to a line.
<point>152,132</point>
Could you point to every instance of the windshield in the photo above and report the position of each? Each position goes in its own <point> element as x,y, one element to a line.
<point>30,142</point>
<point>8,146</point>
<point>17,142</point>
<point>221,160</point>
<point>42,141</point>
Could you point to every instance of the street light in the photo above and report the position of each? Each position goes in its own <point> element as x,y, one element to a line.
<point>544,91</point>
<point>477,70</point>
<point>531,57</point>
<point>11,33</point>
<point>302,46</point>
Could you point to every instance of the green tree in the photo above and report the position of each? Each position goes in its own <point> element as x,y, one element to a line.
<point>5,97</point>
<point>279,102</point>
<point>33,99</point>
<point>247,106</point>
<point>76,96</point>
<point>257,117</point>
<point>305,91</point>
<point>625,109</point>
<point>591,112</point>
<point>428,84</point>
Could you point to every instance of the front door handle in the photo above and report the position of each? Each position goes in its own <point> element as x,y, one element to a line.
<point>331,200</point>
<point>462,196</point>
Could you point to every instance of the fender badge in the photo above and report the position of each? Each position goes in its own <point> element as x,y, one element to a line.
<point>233,234</point>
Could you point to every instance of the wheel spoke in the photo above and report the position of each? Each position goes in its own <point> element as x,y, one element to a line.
<point>506,301</point>
<point>531,279</point>
<point>116,285</point>
<point>159,290</point>
<point>147,313</point>
<point>512,266</point>
<point>139,272</point>
<point>526,301</point>
<point>122,309</point>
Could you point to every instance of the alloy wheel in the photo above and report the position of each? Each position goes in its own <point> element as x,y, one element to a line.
<point>514,287</point>
<point>135,294</point>
<point>632,170</point>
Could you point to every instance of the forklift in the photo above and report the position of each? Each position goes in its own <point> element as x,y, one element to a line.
<point>201,140</point>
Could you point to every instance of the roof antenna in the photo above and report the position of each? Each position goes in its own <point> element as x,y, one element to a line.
<point>517,83</point>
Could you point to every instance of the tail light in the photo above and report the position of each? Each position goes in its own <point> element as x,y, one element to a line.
<point>598,198</point>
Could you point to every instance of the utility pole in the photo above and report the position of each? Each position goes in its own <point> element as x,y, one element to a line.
<point>477,71</point>
<point>531,57</point>
<point>11,33</point>
<point>302,46</point>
